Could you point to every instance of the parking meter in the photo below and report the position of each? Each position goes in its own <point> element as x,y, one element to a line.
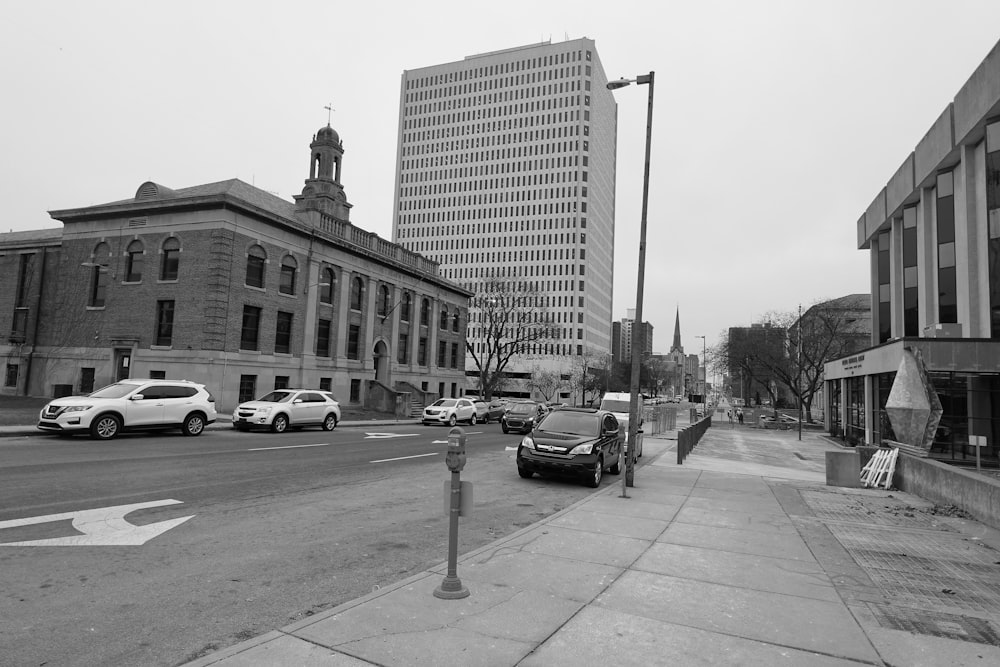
<point>454,458</point>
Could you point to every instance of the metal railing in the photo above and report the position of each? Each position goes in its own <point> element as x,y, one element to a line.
<point>687,438</point>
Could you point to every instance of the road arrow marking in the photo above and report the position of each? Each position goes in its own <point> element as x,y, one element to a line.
<point>382,436</point>
<point>101,527</point>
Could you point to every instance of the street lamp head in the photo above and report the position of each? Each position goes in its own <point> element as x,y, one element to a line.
<point>620,83</point>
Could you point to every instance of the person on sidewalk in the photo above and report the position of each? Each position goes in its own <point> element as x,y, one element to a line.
<point>739,415</point>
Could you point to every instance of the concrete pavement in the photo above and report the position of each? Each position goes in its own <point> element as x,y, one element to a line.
<point>740,556</point>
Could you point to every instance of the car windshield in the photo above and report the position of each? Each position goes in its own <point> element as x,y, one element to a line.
<point>276,397</point>
<point>445,403</point>
<point>114,391</point>
<point>615,406</point>
<point>522,408</point>
<point>576,423</point>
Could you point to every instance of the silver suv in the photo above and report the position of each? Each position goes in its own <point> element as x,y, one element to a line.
<point>132,405</point>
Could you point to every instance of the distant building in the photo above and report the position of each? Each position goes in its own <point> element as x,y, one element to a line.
<point>934,236</point>
<point>228,285</point>
<point>506,170</point>
<point>622,347</point>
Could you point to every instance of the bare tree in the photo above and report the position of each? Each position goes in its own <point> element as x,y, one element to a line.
<point>508,320</point>
<point>770,357</point>
<point>546,382</point>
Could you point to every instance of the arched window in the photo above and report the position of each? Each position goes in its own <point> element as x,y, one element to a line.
<point>286,282</point>
<point>256,260</point>
<point>170,259</point>
<point>455,322</point>
<point>327,285</point>
<point>404,307</point>
<point>444,319</point>
<point>99,275</point>
<point>425,312</point>
<point>133,262</point>
<point>357,292</point>
<point>384,301</point>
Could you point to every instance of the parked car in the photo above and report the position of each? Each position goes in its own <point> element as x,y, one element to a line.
<point>490,411</point>
<point>450,411</point>
<point>619,404</point>
<point>579,442</point>
<point>132,405</point>
<point>522,416</point>
<point>282,409</point>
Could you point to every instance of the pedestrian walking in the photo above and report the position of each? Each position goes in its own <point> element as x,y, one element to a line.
<point>739,415</point>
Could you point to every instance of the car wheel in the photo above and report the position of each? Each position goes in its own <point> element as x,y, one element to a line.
<point>526,474</point>
<point>105,427</point>
<point>193,424</point>
<point>472,420</point>
<point>503,427</point>
<point>330,422</point>
<point>596,474</point>
<point>616,469</point>
<point>452,420</point>
<point>279,424</point>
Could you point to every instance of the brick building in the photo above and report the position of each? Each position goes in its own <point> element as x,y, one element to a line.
<point>228,285</point>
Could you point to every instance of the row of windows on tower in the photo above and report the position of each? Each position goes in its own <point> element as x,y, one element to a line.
<point>501,233</point>
<point>427,128</point>
<point>477,74</point>
<point>550,204</point>
<point>498,104</point>
<point>498,161</point>
<point>440,139</point>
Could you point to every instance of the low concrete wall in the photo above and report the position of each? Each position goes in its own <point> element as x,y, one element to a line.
<point>945,484</point>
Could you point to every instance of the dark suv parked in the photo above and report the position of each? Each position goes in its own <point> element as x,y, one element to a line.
<point>579,442</point>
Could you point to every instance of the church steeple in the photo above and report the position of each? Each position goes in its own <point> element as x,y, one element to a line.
<point>677,347</point>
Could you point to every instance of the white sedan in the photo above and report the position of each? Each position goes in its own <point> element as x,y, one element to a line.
<point>450,411</point>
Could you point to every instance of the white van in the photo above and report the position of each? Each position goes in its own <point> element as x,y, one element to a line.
<point>619,404</point>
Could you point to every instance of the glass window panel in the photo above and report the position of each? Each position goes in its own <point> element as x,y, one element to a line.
<point>910,276</point>
<point>945,185</point>
<point>946,255</point>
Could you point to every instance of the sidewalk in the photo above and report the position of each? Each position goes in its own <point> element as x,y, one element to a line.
<point>740,556</point>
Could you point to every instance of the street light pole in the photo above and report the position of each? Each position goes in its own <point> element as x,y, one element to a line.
<point>633,407</point>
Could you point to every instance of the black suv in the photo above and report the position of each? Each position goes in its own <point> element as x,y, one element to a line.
<point>579,442</point>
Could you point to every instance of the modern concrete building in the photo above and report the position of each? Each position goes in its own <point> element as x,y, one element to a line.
<point>934,236</point>
<point>228,285</point>
<point>506,171</point>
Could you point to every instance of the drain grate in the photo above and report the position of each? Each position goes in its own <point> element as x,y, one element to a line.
<point>949,626</point>
<point>860,509</point>
<point>939,544</point>
<point>923,590</point>
<point>872,558</point>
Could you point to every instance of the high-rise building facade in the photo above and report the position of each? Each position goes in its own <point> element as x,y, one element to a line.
<point>506,171</point>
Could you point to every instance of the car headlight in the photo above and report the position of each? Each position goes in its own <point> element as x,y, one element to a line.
<point>582,449</point>
<point>528,443</point>
<point>78,408</point>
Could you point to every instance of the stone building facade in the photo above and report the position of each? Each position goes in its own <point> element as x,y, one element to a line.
<point>229,285</point>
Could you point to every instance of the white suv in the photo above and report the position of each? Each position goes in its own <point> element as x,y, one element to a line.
<point>132,405</point>
<point>288,408</point>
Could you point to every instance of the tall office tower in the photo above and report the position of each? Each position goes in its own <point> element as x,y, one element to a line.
<point>506,171</point>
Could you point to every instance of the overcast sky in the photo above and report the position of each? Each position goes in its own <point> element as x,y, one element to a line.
<point>775,122</point>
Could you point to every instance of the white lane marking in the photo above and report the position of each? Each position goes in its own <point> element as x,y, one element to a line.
<point>263,449</point>
<point>104,526</point>
<point>401,458</point>
<point>510,449</point>
<point>379,436</point>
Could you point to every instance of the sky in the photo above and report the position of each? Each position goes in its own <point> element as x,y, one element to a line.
<point>776,123</point>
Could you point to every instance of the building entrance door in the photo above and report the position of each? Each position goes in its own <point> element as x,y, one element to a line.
<point>123,363</point>
<point>381,363</point>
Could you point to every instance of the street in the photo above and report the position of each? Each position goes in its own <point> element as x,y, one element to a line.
<point>238,533</point>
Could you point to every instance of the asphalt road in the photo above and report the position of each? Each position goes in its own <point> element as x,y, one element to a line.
<point>280,527</point>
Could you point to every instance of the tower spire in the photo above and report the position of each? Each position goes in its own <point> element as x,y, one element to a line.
<point>677,333</point>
